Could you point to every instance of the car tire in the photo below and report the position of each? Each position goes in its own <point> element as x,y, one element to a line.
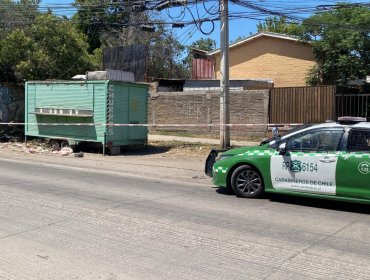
<point>247,182</point>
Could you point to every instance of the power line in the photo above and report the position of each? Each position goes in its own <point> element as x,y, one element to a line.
<point>292,11</point>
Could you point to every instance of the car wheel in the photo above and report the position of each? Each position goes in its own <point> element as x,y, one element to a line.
<point>247,182</point>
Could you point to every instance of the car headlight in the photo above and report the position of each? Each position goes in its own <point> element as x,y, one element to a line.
<point>221,157</point>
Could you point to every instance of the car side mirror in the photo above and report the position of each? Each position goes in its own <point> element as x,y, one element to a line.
<point>282,148</point>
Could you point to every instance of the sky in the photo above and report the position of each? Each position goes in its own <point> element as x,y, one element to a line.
<point>243,26</point>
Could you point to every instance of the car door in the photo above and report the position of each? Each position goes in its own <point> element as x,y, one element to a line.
<point>309,162</point>
<point>354,165</point>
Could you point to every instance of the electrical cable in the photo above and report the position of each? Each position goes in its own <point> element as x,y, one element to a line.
<point>179,17</point>
<point>291,10</point>
<point>210,11</point>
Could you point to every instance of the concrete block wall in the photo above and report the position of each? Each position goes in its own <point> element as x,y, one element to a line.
<point>201,108</point>
<point>238,85</point>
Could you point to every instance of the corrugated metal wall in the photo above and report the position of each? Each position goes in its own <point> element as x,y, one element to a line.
<point>202,68</point>
<point>99,101</point>
<point>302,104</point>
<point>130,105</point>
<point>126,58</point>
<point>66,95</point>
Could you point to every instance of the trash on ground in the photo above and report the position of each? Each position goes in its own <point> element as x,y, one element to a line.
<point>79,154</point>
<point>66,151</point>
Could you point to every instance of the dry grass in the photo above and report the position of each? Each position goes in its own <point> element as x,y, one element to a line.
<point>208,135</point>
<point>181,148</point>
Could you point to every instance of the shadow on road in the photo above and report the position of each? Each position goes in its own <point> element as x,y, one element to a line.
<point>309,202</point>
<point>145,150</point>
<point>224,191</point>
<point>129,150</point>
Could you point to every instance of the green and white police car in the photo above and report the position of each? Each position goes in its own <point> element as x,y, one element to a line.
<point>329,160</point>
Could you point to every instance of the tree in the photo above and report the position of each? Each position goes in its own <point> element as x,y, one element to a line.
<point>49,49</point>
<point>103,21</point>
<point>164,53</point>
<point>203,44</point>
<point>16,14</point>
<point>279,25</point>
<point>116,23</point>
<point>340,38</point>
<point>110,23</point>
<point>341,43</point>
<point>239,38</point>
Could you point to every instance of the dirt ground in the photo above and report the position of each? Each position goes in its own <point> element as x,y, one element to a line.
<point>169,149</point>
<point>164,160</point>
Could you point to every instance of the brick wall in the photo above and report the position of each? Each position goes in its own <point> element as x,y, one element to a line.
<point>202,108</point>
<point>283,61</point>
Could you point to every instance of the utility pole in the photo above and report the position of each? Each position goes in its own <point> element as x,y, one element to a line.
<point>224,77</point>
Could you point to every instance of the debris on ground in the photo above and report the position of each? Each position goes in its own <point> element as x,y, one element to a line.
<point>31,150</point>
<point>79,154</point>
<point>35,147</point>
<point>66,151</point>
<point>174,149</point>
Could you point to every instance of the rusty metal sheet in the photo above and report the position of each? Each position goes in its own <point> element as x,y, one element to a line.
<point>203,68</point>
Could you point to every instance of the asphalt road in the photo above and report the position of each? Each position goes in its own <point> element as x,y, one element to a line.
<point>68,223</point>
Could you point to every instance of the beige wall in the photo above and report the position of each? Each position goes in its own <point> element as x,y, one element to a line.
<point>283,61</point>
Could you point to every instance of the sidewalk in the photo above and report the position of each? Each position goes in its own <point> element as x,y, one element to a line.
<point>155,137</point>
<point>153,165</point>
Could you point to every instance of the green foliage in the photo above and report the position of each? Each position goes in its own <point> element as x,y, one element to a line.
<point>109,24</point>
<point>203,44</point>
<point>100,20</point>
<point>97,59</point>
<point>239,38</point>
<point>340,38</point>
<point>16,14</point>
<point>342,44</point>
<point>164,56</point>
<point>279,25</point>
<point>48,49</point>
<point>314,76</point>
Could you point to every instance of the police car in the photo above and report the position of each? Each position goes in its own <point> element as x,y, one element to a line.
<point>329,160</point>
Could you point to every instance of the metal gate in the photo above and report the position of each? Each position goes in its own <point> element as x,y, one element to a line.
<point>357,105</point>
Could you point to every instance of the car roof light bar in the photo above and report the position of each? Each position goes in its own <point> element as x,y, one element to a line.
<point>351,120</point>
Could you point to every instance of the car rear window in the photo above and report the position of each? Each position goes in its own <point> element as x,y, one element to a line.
<point>359,141</point>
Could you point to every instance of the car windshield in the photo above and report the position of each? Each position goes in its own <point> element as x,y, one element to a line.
<point>294,129</point>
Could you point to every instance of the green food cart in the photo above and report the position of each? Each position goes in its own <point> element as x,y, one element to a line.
<point>110,113</point>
